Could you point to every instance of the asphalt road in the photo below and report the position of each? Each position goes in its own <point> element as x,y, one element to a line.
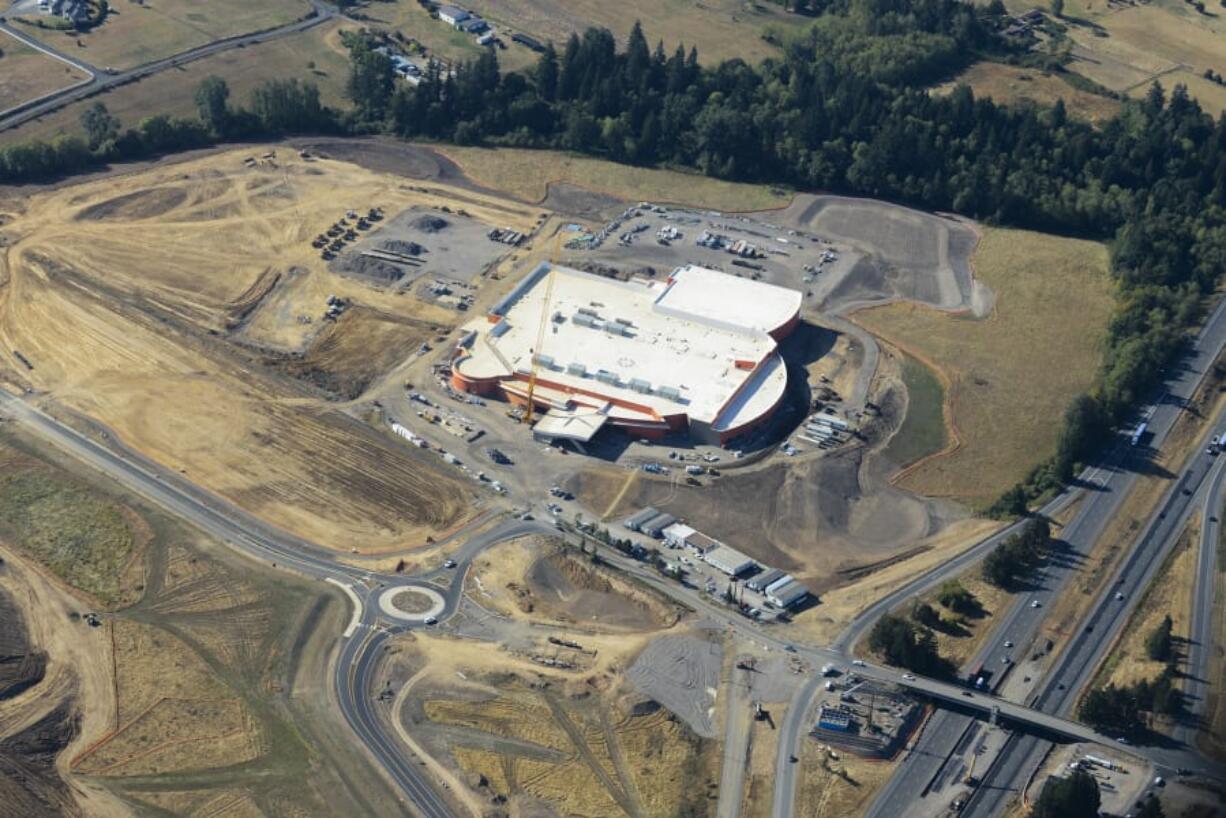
<point>101,80</point>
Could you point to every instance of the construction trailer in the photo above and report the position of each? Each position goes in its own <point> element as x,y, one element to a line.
<point>788,595</point>
<point>654,527</point>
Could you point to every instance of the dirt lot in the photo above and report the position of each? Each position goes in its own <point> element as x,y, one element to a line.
<point>534,580</point>
<point>1008,84</point>
<point>837,784</point>
<point>26,73</point>
<point>137,33</point>
<point>1013,373</point>
<point>546,744</point>
<point>126,292</point>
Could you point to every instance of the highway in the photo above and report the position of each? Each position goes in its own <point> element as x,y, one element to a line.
<point>101,80</point>
<point>1105,489</point>
<point>1102,487</point>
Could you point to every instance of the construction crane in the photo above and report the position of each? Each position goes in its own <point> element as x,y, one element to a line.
<point>534,361</point>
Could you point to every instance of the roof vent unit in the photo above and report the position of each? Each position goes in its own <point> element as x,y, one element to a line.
<point>585,320</point>
<point>641,386</point>
<point>616,328</point>
<point>587,311</point>
<point>576,369</point>
<point>669,392</point>
<point>545,361</point>
<point>625,321</point>
<point>605,376</point>
<point>559,318</point>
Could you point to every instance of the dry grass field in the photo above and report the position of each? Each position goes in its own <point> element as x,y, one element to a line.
<point>26,74</point>
<point>136,32</point>
<point>835,787</point>
<point>1170,593</point>
<point>121,291</point>
<point>1127,45</point>
<point>315,56</point>
<point>719,29</point>
<point>1213,740</point>
<point>959,644</point>
<point>1013,373</point>
<point>527,174</point>
<point>583,755</point>
<point>1009,84</point>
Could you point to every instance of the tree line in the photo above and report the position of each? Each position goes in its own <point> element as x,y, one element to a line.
<point>841,109</point>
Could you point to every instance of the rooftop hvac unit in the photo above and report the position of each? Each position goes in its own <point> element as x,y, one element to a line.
<point>615,328</point>
<point>576,369</point>
<point>669,393</point>
<point>605,376</point>
<point>640,385</point>
<point>584,320</point>
<point>545,361</point>
<point>559,318</point>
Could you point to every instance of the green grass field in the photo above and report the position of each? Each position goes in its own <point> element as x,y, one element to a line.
<point>923,429</point>
<point>80,535</point>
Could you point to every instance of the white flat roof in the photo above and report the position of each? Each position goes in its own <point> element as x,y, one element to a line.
<point>730,299</point>
<point>670,360</point>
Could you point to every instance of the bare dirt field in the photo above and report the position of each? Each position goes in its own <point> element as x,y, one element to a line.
<point>544,744</point>
<point>26,74</point>
<point>137,33</point>
<point>835,783</point>
<point>1011,374</point>
<point>1009,84</point>
<point>144,301</point>
<point>536,580</point>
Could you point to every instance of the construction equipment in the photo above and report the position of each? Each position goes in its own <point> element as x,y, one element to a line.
<point>534,363</point>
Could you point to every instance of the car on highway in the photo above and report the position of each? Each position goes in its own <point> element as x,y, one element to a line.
<point>909,677</point>
<point>1119,595</point>
<point>858,662</point>
<point>449,563</point>
<point>1008,643</point>
<point>431,620</point>
<point>1034,603</point>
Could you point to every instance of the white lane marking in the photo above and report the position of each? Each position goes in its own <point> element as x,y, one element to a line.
<point>357,605</point>
<point>388,606</point>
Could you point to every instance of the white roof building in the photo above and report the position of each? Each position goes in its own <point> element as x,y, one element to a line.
<point>697,351</point>
<point>729,560</point>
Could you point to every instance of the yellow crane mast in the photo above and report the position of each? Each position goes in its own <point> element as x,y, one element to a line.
<point>534,362</point>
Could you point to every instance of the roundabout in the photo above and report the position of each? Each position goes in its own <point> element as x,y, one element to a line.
<point>412,603</point>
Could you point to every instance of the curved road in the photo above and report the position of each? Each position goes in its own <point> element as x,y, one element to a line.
<point>101,81</point>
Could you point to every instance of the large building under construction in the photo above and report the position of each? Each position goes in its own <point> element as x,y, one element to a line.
<point>696,352</point>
